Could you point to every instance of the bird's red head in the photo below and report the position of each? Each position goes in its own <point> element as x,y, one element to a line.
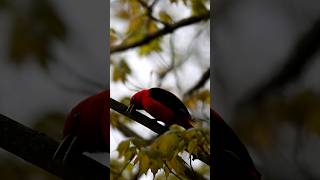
<point>136,100</point>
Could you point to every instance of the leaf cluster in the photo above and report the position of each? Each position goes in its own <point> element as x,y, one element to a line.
<point>164,152</point>
<point>142,20</point>
<point>200,96</point>
<point>34,29</point>
<point>260,125</point>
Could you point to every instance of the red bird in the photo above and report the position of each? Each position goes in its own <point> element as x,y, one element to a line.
<point>231,159</point>
<point>86,128</point>
<point>162,105</point>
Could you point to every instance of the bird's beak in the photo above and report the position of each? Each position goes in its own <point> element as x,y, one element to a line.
<point>130,108</point>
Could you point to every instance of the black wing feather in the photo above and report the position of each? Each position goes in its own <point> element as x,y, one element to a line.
<point>168,99</point>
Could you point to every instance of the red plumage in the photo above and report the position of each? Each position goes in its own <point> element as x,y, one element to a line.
<point>86,128</point>
<point>231,159</point>
<point>162,105</point>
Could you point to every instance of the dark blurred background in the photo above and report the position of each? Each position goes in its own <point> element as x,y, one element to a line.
<point>266,81</point>
<point>52,55</point>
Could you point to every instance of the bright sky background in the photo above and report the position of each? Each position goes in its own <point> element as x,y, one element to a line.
<point>144,67</point>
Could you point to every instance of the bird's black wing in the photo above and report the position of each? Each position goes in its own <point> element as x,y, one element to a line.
<point>168,99</point>
<point>229,152</point>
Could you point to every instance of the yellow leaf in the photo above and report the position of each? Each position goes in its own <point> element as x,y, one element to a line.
<point>156,164</point>
<point>136,25</point>
<point>152,27</point>
<point>192,145</point>
<point>166,171</point>
<point>123,14</point>
<point>123,147</point>
<point>204,96</point>
<point>166,144</point>
<point>134,7</point>
<point>165,17</point>
<point>144,163</point>
<point>177,165</point>
<point>113,36</point>
<point>128,155</point>
<point>121,71</point>
<point>153,46</point>
<point>198,7</point>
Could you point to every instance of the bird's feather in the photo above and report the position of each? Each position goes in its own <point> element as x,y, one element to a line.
<point>169,100</point>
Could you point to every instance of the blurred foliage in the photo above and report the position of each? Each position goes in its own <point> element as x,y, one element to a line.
<point>163,152</point>
<point>200,96</point>
<point>121,170</point>
<point>17,169</point>
<point>116,119</point>
<point>120,71</point>
<point>50,123</point>
<point>260,125</point>
<point>198,7</point>
<point>34,28</point>
<point>165,17</point>
<point>139,26</point>
<point>141,21</point>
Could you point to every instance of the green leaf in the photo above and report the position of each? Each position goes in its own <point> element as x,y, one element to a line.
<point>166,144</point>
<point>133,32</point>
<point>113,36</point>
<point>123,147</point>
<point>129,155</point>
<point>177,165</point>
<point>166,171</point>
<point>121,71</point>
<point>156,164</point>
<point>144,163</point>
<point>153,46</point>
<point>165,17</point>
<point>198,7</point>
<point>192,145</point>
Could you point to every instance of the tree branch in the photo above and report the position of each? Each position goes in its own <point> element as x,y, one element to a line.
<point>149,11</point>
<point>205,76</point>
<point>127,131</point>
<point>149,123</point>
<point>138,117</point>
<point>166,30</point>
<point>301,55</point>
<point>38,149</point>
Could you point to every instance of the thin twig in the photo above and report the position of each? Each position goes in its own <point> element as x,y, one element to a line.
<point>201,82</point>
<point>149,11</point>
<point>165,162</point>
<point>121,171</point>
<point>166,30</point>
<point>191,167</point>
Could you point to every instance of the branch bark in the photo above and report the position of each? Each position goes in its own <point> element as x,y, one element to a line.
<point>149,123</point>
<point>301,56</point>
<point>38,149</point>
<point>205,76</point>
<point>138,117</point>
<point>166,30</point>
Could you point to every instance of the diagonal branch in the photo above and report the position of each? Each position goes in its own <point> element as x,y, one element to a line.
<point>138,117</point>
<point>149,123</point>
<point>37,149</point>
<point>166,30</point>
<point>301,56</point>
<point>201,82</point>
